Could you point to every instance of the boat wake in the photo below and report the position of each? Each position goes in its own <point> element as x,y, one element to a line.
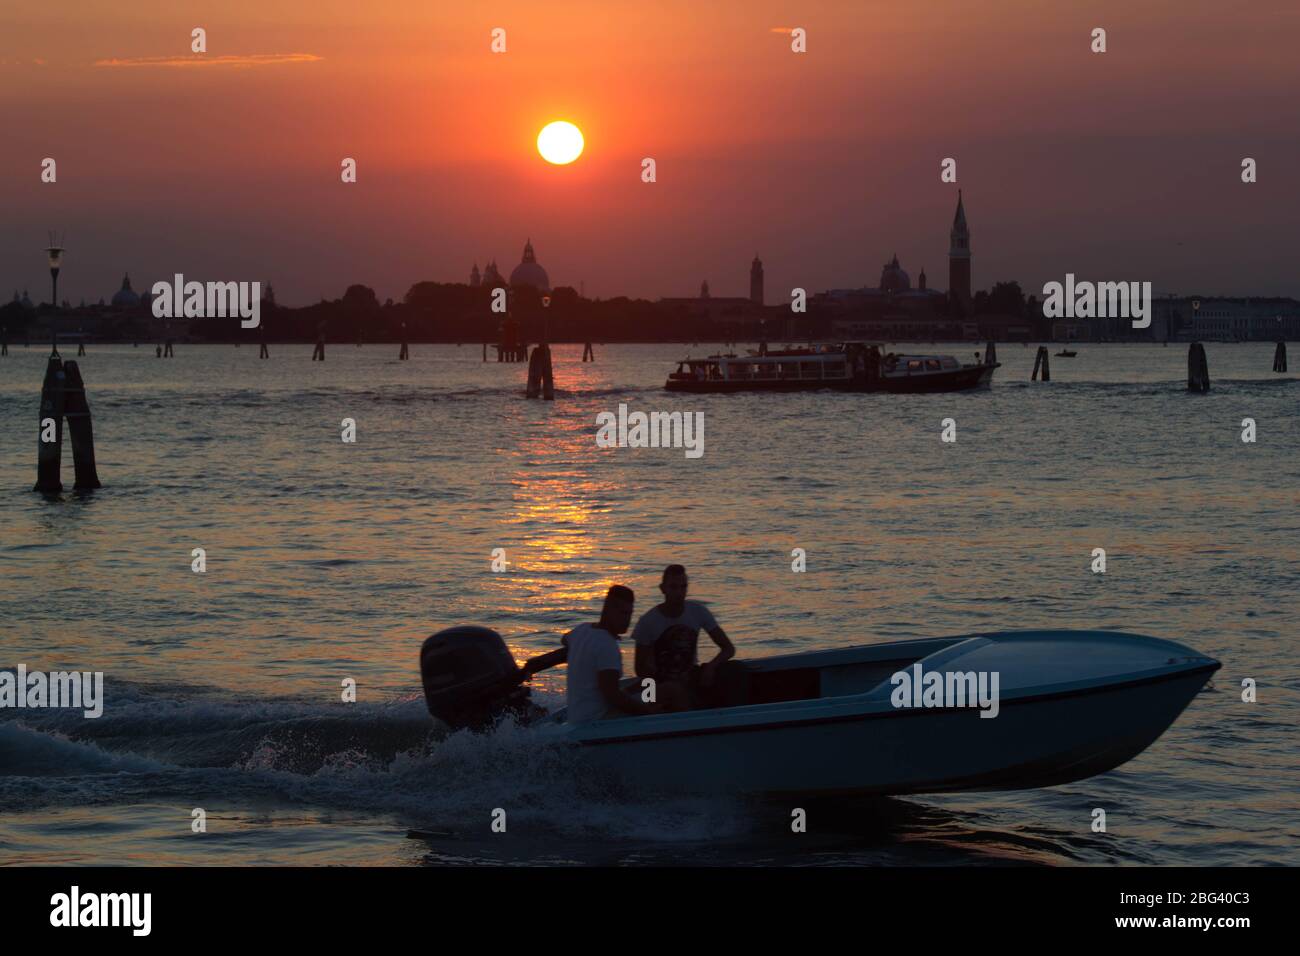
<point>165,748</point>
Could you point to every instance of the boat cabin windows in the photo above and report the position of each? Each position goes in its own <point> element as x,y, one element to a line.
<point>923,363</point>
<point>785,370</point>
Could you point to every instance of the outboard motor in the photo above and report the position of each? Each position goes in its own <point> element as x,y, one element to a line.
<point>470,679</point>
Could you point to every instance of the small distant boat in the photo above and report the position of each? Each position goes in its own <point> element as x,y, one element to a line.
<point>1066,353</point>
<point>847,367</point>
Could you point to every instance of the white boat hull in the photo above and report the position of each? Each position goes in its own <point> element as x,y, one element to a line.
<point>1049,729</point>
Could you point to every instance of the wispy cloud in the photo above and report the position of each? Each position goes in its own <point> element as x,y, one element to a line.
<point>203,60</point>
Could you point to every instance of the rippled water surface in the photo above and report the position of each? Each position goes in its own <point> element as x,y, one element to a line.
<point>328,561</point>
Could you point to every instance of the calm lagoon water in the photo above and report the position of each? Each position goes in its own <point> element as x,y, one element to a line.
<point>328,560</point>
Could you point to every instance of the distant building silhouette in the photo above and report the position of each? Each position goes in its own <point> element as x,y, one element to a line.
<point>125,297</point>
<point>756,281</point>
<point>959,281</point>
<point>893,278</point>
<point>529,271</point>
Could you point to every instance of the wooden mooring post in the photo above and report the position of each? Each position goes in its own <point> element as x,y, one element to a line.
<point>77,411</point>
<point>991,353</point>
<point>49,448</point>
<point>540,378</point>
<point>1041,360</point>
<point>588,353</point>
<point>1198,369</point>
<point>1279,357</point>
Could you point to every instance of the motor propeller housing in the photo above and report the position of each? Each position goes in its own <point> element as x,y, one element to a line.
<point>469,676</point>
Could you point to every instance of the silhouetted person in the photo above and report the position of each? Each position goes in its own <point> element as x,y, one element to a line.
<point>596,664</point>
<point>667,643</point>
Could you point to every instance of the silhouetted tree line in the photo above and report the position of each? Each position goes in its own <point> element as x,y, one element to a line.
<point>456,312</point>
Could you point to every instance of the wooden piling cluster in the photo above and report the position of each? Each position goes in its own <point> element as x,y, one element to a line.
<point>510,348</point>
<point>1041,361</point>
<point>1198,369</point>
<point>588,353</point>
<point>1279,357</point>
<point>63,395</point>
<point>540,378</point>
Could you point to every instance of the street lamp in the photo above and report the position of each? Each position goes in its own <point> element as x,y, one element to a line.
<point>55,252</point>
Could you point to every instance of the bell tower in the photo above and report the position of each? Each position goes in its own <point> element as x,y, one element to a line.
<point>959,282</point>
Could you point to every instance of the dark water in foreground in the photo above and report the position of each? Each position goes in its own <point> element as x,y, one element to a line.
<point>328,561</point>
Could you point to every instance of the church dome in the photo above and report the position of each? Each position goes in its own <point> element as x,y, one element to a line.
<point>528,272</point>
<point>125,297</point>
<point>893,278</point>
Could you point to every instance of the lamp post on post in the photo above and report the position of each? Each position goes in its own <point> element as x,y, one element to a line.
<point>541,381</point>
<point>55,253</point>
<point>548,378</point>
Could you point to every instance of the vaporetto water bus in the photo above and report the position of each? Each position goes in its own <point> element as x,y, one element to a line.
<point>845,366</point>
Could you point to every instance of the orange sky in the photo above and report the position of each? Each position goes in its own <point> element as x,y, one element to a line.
<point>1123,165</point>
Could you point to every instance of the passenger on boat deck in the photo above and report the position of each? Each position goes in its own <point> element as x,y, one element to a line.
<point>667,639</point>
<point>595,664</point>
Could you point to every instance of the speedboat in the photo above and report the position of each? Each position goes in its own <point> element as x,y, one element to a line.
<point>1064,705</point>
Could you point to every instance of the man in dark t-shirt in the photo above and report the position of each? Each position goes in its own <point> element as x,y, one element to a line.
<point>667,642</point>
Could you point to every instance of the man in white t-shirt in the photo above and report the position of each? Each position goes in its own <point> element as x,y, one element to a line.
<point>667,640</point>
<point>595,664</point>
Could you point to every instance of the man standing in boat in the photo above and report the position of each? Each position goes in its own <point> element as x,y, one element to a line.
<point>595,664</point>
<point>667,641</point>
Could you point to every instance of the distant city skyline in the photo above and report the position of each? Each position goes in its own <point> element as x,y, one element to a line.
<point>1123,165</point>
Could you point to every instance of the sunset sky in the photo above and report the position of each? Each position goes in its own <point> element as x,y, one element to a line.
<point>1123,165</point>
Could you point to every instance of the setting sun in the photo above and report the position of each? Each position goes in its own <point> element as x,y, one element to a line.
<point>560,142</point>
